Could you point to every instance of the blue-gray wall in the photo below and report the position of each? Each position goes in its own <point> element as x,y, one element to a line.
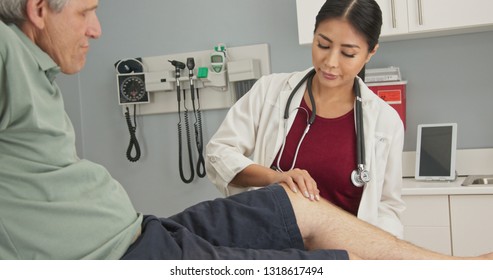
<point>448,81</point>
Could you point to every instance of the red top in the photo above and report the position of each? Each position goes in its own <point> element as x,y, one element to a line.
<point>328,153</point>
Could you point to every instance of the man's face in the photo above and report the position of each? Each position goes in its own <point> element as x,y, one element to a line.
<point>65,36</point>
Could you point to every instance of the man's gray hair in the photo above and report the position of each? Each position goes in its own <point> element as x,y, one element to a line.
<point>14,11</point>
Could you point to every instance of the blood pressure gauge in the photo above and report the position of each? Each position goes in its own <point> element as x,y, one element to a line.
<point>131,89</point>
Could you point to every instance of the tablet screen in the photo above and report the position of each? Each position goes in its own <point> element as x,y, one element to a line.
<point>435,151</point>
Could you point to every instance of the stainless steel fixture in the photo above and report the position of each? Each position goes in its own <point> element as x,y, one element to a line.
<point>478,180</point>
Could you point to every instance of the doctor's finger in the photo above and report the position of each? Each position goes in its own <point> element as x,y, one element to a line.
<point>286,179</point>
<point>306,182</point>
<point>312,188</point>
<point>295,182</point>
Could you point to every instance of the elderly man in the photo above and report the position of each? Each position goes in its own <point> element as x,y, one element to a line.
<point>54,205</point>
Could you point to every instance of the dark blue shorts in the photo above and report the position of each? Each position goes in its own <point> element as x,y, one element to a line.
<point>252,225</point>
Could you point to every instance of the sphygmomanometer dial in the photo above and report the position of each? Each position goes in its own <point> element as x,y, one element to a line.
<point>132,89</point>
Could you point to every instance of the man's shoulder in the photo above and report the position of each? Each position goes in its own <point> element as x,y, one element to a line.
<point>5,32</point>
<point>8,37</point>
<point>3,26</point>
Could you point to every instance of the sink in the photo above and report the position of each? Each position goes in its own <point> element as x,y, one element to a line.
<point>478,180</point>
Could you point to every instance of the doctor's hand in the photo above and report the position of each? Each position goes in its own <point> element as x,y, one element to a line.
<point>300,180</point>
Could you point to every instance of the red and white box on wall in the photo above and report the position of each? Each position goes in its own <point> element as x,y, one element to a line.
<point>394,93</point>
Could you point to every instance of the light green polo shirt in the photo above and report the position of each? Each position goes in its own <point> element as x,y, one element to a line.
<point>53,205</point>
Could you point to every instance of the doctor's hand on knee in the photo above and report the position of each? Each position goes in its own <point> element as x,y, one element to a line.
<point>299,180</point>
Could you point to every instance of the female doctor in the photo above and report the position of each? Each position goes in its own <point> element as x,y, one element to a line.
<point>320,131</point>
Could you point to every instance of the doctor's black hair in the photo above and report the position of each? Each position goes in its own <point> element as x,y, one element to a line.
<point>364,15</point>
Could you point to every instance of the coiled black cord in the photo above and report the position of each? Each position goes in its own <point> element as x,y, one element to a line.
<point>134,143</point>
<point>199,140</point>
<point>180,159</point>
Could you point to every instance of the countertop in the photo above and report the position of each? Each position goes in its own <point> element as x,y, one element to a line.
<point>413,187</point>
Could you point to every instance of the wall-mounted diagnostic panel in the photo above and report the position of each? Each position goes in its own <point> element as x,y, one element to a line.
<point>221,75</point>
<point>187,83</point>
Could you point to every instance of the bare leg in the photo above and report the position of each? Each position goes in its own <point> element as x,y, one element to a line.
<point>324,226</point>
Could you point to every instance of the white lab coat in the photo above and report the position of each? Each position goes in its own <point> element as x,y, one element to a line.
<point>253,131</point>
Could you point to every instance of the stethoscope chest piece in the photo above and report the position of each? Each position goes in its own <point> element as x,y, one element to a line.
<point>360,176</point>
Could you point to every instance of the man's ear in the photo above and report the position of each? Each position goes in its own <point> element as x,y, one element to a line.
<point>36,11</point>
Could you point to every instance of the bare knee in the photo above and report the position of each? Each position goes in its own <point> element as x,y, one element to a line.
<point>305,212</point>
<point>353,256</point>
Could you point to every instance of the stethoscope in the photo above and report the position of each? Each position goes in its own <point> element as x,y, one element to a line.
<point>360,176</point>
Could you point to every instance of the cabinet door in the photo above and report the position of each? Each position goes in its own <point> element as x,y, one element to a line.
<point>471,223</point>
<point>426,222</point>
<point>436,15</point>
<point>394,17</point>
<point>306,11</point>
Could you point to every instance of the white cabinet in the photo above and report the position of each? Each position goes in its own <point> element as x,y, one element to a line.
<point>472,225</point>
<point>430,15</point>
<point>403,19</point>
<point>306,11</point>
<point>394,17</point>
<point>424,18</point>
<point>427,222</point>
<point>459,225</point>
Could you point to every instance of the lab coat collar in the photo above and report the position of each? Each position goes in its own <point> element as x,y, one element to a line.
<point>296,78</point>
<point>295,102</point>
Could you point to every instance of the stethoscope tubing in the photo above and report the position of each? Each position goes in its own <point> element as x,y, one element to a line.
<point>360,176</point>
<point>359,124</point>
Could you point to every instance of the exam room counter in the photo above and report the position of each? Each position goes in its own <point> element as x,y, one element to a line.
<point>445,216</point>
<point>413,187</point>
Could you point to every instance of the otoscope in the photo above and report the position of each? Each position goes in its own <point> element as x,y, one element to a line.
<point>178,67</point>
